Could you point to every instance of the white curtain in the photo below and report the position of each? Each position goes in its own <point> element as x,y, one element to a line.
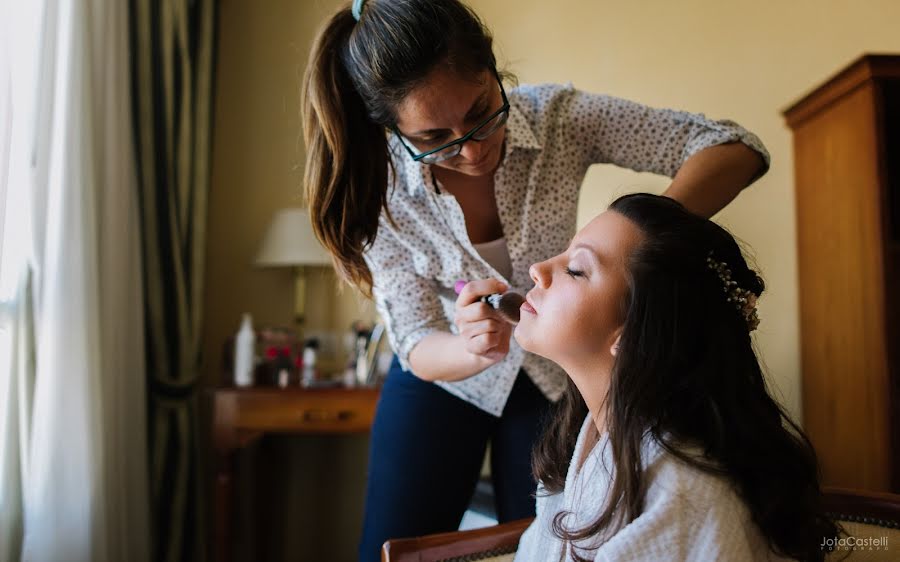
<point>73,461</point>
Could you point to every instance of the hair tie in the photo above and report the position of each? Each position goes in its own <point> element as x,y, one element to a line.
<point>357,7</point>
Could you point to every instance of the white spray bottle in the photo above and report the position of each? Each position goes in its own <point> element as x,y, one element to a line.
<point>244,346</point>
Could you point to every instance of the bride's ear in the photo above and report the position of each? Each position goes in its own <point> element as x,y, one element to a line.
<point>614,349</point>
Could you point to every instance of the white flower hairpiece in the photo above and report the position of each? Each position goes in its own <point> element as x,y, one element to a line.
<point>744,300</point>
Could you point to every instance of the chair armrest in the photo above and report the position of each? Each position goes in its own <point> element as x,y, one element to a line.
<point>881,508</point>
<point>497,539</point>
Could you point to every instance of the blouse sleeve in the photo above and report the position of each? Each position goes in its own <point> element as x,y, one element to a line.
<point>407,302</point>
<point>645,139</point>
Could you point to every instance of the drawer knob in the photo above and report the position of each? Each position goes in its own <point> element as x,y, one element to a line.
<point>319,416</point>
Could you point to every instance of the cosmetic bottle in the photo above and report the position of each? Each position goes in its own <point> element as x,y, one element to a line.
<point>362,357</point>
<point>308,374</point>
<point>244,347</point>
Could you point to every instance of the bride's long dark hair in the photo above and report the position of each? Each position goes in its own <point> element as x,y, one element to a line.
<point>686,372</point>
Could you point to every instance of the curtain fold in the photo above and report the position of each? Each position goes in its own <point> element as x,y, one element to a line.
<point>15,417</point>
<point>74,482</point>
<point>173,57</point>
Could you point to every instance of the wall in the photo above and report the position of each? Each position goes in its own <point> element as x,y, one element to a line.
<point>745,61</point>
<point>257,168</point>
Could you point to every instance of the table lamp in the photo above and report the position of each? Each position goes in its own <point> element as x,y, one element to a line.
<point>290,242</point>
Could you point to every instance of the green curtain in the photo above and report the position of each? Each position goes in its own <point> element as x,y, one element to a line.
<point>172,49</point>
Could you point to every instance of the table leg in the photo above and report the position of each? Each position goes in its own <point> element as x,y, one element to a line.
<point>224,500</point>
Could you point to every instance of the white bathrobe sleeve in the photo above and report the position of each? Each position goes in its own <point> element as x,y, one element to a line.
<point>708,525</point>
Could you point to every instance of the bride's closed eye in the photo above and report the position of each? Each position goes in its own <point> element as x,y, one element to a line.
<point>574,272</point>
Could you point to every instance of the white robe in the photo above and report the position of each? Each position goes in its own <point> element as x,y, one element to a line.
<point>688,514</point>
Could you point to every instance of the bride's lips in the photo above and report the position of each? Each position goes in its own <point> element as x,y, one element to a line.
<point>528,307</point>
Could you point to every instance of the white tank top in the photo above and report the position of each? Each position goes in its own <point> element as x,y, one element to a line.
<point>496,253</point>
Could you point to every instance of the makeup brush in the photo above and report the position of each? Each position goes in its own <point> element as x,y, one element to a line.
<point>507,304</point>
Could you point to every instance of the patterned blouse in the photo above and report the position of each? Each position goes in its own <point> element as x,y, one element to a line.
<point>554,133</point>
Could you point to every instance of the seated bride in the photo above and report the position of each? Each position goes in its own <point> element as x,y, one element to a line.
<point>667,444</point>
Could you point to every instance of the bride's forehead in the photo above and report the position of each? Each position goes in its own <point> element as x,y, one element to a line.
<point>609,235</point>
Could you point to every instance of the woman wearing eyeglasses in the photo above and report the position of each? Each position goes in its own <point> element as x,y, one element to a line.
<point>423,170</point>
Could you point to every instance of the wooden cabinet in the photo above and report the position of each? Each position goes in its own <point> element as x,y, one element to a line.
<point>846,136</point>
<point>243,415</point>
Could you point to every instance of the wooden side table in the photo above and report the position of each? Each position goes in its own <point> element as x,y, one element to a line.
<point>243,415</point>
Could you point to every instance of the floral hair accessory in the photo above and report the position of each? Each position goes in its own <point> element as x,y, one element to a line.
<point>744,300</point>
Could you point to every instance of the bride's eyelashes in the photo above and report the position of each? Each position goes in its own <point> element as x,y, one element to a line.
<point>574,272</point>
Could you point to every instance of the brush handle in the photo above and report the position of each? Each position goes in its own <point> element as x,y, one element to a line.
<point>507,304</point>
<point>493,300</point>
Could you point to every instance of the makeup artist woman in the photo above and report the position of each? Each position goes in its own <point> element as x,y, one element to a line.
<point>424,169</point>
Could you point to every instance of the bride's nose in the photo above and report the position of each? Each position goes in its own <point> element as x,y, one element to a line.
<point>540,274</point>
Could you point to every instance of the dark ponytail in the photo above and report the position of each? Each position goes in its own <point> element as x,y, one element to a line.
<point>336,129</point>
<point>358,73</point>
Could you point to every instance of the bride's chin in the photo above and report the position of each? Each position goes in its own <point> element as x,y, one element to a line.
<point>522,337</point>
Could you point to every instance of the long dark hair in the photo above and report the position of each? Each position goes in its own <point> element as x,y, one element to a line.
<point>358,73</point>
<point>686,373</point>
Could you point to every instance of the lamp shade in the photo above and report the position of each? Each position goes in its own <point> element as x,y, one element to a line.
<point>290,241</point>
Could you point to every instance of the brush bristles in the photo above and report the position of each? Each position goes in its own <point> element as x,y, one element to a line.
<point>508,306</point>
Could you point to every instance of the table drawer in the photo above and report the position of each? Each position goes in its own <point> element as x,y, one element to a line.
<point>295,410</point>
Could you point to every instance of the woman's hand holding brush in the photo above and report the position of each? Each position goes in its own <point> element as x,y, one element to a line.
<point>485,313</point>
<point>485,331</point>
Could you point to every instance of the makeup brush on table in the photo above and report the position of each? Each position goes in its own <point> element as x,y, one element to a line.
<point>507,304</point>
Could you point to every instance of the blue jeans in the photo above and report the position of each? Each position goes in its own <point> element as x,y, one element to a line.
<point>426,452</point>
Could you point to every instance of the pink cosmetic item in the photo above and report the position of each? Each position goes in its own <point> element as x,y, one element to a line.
<point>507,304</point>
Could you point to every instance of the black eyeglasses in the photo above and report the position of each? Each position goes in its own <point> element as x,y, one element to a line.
<point>446,151</point>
